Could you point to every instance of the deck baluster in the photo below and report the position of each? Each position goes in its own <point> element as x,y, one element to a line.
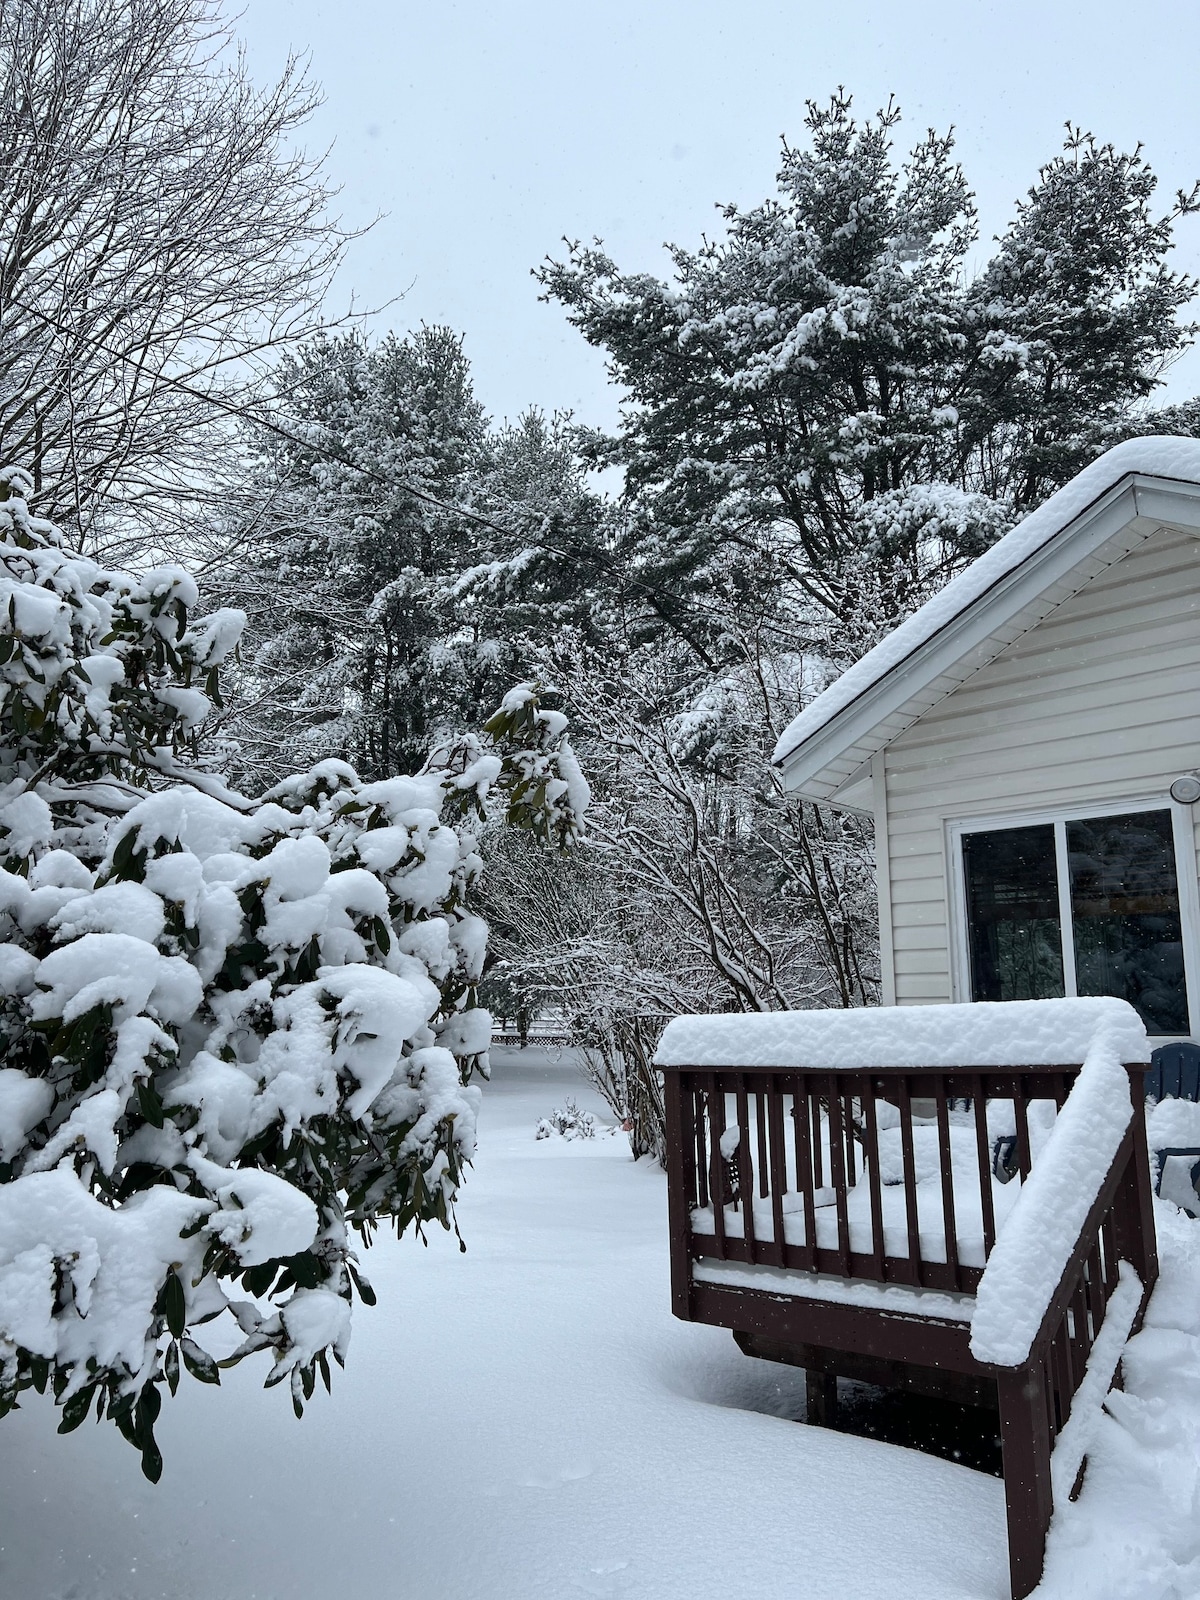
<point>871,1162</point>
<point>778,1174</point>
<point>912,1217</point>
<point>1020,1107</point>
<point>805,1170</point>
<point>837,1163</point>
<point>813,1106</point>
<point>718,1182</point>
<point>847,1110</point>
<point>949,1225</point>
<point>760,1123</point>
<point>1095,1283</point>
<point>983,1152</point>
<point>745,1168</point>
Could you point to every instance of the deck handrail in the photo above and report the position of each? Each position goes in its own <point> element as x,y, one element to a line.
<point>1057,1204</point>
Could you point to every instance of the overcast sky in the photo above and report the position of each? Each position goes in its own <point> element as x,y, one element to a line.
<point>487,132</point>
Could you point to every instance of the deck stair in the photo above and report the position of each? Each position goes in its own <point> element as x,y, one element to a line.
<point>951,1199</point>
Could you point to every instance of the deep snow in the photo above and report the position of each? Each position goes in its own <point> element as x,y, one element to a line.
<point>527,1420</point>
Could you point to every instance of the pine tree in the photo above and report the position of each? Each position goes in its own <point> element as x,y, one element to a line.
<point>824,416</point>
<point>395,555</point>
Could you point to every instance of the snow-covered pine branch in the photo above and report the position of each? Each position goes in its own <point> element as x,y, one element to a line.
<point>233,1032</point>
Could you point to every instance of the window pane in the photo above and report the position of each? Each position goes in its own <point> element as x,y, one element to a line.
<point>1125,910</point>
<point>1012,914</point>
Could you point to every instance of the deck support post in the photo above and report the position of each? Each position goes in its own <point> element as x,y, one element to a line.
<point>821,1397</point>
<point>1025,1444</point>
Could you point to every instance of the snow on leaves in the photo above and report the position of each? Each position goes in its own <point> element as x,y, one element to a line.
<point>233,1031</point>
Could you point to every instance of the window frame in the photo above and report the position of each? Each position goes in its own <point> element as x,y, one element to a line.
<point>1183,837</point>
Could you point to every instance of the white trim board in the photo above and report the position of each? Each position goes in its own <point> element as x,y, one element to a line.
<point>830,763</point>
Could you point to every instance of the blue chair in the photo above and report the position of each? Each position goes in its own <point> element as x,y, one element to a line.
<point>1174,1074</point>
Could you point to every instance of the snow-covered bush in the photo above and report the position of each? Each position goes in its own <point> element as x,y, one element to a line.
<point>568,1121</point>
<point>232,1031</point>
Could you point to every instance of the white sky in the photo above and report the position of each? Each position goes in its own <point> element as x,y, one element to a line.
<point>487,132</point>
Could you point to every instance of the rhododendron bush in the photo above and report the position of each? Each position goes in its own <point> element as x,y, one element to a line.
<point>236,1034</point>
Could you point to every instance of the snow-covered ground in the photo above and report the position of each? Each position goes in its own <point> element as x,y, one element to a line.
<point>527,1420</point>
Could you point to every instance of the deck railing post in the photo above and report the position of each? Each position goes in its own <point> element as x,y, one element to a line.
<point>677,1115</point>
<point>1025,1446</point>
<point>1133,1209</point>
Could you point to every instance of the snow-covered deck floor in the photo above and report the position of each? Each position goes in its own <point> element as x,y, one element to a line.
<point>528,1421</point>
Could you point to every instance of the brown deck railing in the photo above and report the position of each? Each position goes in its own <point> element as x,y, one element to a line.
<point>895,1176</point>
<point>791,1180</point>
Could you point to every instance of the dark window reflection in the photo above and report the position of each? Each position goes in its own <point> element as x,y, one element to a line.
<point>1012,914</point>
<point>1125,911</point>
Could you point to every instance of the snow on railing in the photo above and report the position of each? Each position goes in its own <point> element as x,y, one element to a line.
<point>1007,1033</point>
<point>1035,1247</point>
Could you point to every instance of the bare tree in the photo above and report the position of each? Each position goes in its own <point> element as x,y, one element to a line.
<point>160,235</point>
<point>701,885</point>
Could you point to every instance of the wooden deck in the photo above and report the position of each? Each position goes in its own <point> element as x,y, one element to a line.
<point>841,1222</point>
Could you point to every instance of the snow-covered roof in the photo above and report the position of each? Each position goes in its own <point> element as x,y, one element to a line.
<point>1026,1033</point>
<point>1111,506</point>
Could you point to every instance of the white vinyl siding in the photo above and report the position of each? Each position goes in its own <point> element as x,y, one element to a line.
<point>1098,703</point>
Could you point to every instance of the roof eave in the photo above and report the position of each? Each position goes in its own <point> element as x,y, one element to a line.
<point>809,769</point>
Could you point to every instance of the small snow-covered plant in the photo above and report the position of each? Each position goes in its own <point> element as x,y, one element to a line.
<point>234,1033</point>
<point>568,1121</point>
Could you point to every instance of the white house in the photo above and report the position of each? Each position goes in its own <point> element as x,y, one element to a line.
<point>1027,744</point>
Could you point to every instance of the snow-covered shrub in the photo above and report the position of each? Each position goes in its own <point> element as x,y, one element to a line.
<point>568,1121</point>
<point>232,1031</point>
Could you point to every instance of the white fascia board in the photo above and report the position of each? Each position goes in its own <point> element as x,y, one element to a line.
<point>1151,501</point>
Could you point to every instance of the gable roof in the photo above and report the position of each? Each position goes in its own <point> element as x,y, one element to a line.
<point>1122,498</point>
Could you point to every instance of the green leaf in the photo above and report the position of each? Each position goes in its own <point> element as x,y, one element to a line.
<point>120,1411</point>
<point>198,1362</point>
<point>171,1366</point>
<point>174,1304</point>
<point>152,1461</point>
<point>259,1279</point>
<point>75,1411</point>
<point>306,1270</point>
<point>150,1102</point>
<point>365,1292</point>
<point>149,1404</point>
<point>128,860</point>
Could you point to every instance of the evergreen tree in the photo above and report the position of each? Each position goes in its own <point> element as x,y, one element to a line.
<point>824,416</point>
<point>234,1034</point>
<point>395,555</point>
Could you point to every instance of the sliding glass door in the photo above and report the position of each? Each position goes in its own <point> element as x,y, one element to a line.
<point>1085,906</point>
<point>1013,922</point>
